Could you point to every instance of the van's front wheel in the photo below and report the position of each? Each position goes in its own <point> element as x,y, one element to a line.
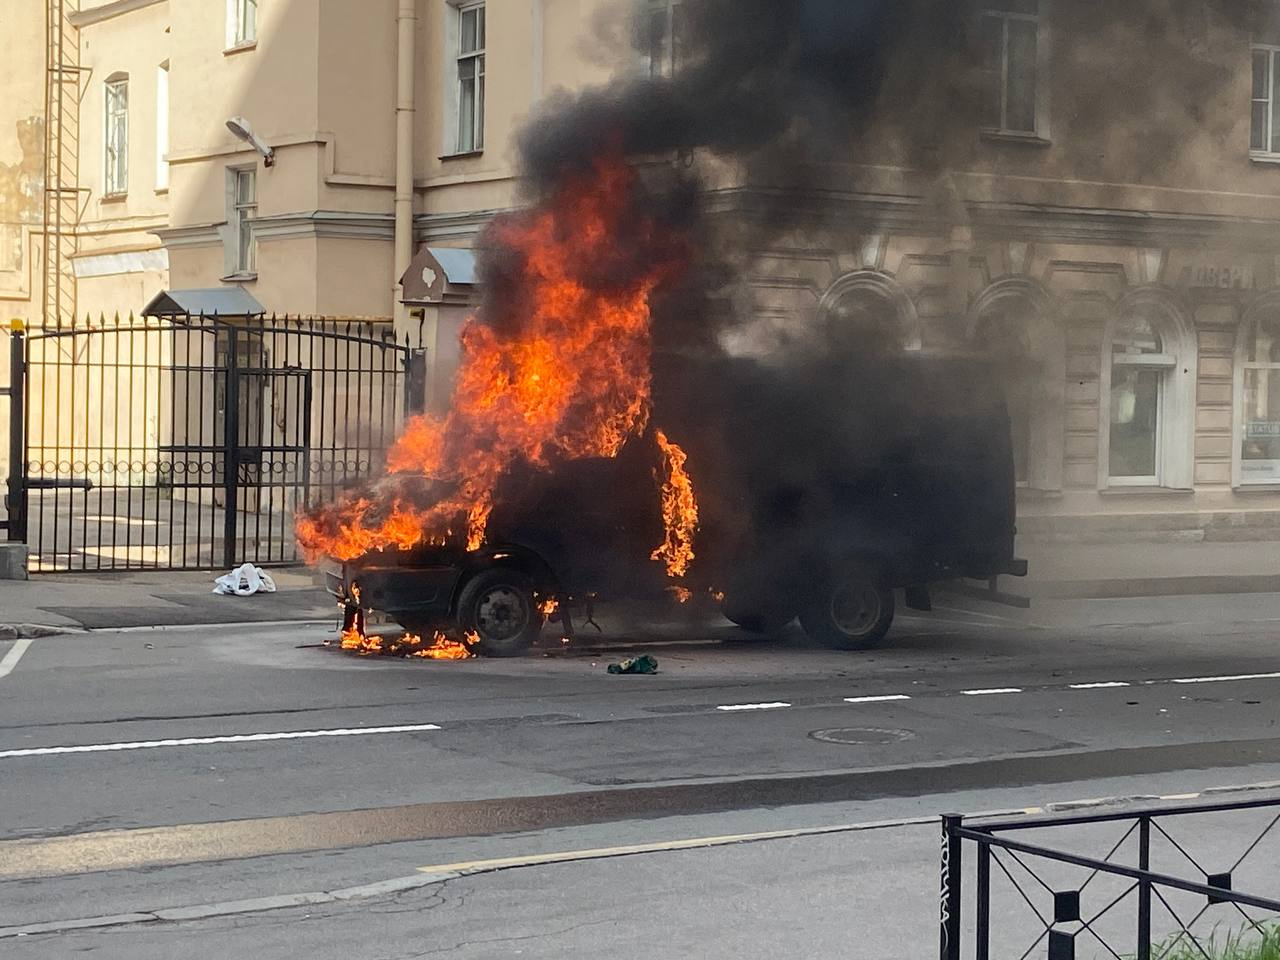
<point>496,613</point>
<point>853,612</point>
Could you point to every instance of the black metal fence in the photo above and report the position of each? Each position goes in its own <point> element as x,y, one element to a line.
<point>1174,882</point>
<point>192,442</point>
<point>11,421</point>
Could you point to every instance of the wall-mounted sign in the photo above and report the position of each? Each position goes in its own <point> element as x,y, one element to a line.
<point>1262,429</point>
<point>1218,277</point>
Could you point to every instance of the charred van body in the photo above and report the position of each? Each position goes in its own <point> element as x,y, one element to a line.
<point>822,488</point>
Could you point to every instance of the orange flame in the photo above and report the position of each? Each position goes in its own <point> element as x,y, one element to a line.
<point>441,647</point>
<point>679,511</point>
<point>563,370</point>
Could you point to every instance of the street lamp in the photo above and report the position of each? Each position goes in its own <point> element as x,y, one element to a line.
<point>240,127</point>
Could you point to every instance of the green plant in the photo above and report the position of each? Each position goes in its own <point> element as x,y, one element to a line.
<point>1253,943</point>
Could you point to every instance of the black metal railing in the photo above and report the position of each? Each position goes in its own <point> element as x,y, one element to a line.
<point>1066,905</point>
<point>192,442</point>
<point>13,523</point>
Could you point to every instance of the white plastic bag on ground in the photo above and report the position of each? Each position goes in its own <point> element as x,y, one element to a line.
<point>244,581</point>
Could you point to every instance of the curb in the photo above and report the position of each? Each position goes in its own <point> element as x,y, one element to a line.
<point>227,908</point>
<point>236,624</point>
<point>34,631</point>
<point>1135,587</point>
<point>443,873</point>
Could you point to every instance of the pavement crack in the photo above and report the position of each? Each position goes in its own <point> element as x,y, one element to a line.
<point>494,940</point>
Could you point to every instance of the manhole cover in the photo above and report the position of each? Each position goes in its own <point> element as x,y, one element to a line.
<point>862,735</point>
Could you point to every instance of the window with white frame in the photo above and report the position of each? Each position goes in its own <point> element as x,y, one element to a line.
<point>663,30</point>
<point>242,23</point>
<point>162,126</point>
<point>1010,32</point>
<point>243,191</point>
<point>470,72</point>
<point>1264,124</point>
<point>116,139</point>
<point>1138,367</point>
<point>1148,395</point>
<point>1258,399</point>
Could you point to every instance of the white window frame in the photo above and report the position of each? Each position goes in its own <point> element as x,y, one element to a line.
<point>1175,410</point>
<point>242,249</point>
<point>1273,64</point>
<point>667,66</point>
<point>162,127</point>
<point>1040,124</point>
<point>242,24</point>
<point>115,139</point>
<point>1269,306</point>
<point>476,122</point>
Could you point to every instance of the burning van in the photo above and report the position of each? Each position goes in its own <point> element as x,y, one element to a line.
<point>823,487</point>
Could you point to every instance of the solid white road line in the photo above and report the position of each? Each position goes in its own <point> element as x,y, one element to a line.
<point>1245,676</point>
<point>203,741</point>
<point>889,699</point>
<point>1106,685</point>
<point>992,692</point>
<point>733,707</point>
<point>14,655</point>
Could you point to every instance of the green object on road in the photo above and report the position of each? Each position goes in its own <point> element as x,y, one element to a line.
<point>642,664</point>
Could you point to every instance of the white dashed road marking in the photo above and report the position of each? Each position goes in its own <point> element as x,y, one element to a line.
<point>1244,676</point>
<point>1106,685</point>
<point>887,699</point>
<point>734,707</point>
<point>992,692</point>
<point>203,741</point>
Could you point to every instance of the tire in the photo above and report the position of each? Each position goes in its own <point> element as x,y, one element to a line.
<point>854,612</point>
<point>497,606</point>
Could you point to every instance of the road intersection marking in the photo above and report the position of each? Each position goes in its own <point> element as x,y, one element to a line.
<point>14,655</point>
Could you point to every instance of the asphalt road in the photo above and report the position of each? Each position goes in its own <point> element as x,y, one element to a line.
<point>149,771</point>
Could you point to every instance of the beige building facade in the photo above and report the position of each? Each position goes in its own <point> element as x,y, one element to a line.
<point>1109,229</point>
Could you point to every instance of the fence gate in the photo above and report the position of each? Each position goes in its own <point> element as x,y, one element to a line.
<point>190,443</point>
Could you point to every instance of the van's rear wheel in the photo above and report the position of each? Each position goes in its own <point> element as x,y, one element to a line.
<point>853,612</point>
<point>497,615</point>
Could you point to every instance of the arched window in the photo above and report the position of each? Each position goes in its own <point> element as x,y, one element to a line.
<point>1257,374</point>
<point>1015,326</point>
<point>1148,395</point>
<point>867,311</point>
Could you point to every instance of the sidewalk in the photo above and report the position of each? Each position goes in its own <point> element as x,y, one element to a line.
<point>1064,571</point>
<point>160,598</point>
<point>1146,569</point>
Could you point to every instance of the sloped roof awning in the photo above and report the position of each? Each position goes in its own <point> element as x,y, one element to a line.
<point>215,302</point>
<point>440,275</point>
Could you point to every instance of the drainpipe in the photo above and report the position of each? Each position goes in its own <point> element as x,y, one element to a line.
<point>406,28</point>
